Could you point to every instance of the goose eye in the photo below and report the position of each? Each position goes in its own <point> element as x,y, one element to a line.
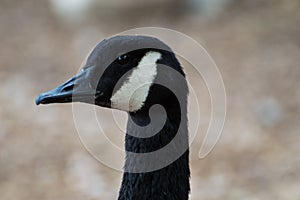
<point>123,59</point>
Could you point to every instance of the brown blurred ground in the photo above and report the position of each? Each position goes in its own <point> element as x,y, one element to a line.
<point>256,46</point>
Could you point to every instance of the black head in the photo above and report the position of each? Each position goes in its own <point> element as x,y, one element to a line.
<point>120,73</point>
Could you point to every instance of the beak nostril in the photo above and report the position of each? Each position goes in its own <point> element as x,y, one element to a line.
<point>69,88</point>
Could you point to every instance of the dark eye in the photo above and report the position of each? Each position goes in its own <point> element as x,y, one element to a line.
<point>123,59</point>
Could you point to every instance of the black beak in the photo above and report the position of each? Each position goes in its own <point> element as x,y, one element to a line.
<point>76,89</point>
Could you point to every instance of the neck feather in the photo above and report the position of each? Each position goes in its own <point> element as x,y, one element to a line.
<point>164,175</point>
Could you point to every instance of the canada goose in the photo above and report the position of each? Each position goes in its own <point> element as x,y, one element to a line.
<point>128,73</point>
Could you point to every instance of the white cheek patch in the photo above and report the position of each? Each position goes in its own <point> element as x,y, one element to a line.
<point>133,93</point>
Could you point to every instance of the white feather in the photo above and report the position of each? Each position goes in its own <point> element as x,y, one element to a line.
<point>133,93</point>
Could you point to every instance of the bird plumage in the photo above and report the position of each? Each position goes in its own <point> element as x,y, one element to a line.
<point>135,74</point>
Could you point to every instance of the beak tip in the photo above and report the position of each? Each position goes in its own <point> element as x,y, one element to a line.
<point>38,100</point>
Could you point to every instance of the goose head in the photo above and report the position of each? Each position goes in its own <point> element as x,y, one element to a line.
<point>119,73</point>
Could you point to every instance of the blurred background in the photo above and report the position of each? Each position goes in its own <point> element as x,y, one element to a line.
<point>255,44</point>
